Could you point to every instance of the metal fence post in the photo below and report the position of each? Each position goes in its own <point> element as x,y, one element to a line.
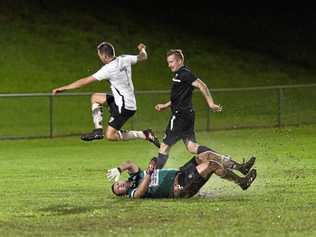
<point>50,104</point>
<point>280,116</point>
<point>280,99</point>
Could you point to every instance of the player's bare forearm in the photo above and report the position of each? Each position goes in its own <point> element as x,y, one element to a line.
<point>114,173</point>
<point>161,107</point>
<point>207,95</point>
<point>74,85</point>
<point>204,90</point>
<point>167,105</point>
<point>129,166</point>
<point>142,188</point>
<point>79,83</point>
<point>142,56</point>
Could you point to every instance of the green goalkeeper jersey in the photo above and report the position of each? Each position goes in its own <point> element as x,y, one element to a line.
<point>161,183</point>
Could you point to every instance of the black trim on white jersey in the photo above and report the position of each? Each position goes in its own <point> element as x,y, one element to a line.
<point>123,100</point>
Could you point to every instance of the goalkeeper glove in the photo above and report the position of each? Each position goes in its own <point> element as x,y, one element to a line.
<point>114,174</point>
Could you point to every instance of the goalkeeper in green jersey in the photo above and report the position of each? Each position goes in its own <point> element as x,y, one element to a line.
<point>184,182</point>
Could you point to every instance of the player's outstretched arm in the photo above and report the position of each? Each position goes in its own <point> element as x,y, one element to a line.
<point>114,173</point>
<point>161,107</point>
<point>142,55</point>
<point>74,85</point>
<point>207,95</point>
<point>129,166</point>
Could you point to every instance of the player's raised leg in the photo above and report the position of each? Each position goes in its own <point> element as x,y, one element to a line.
<point>194,175</point>
<point>112,134</point>
<point>208,153</point>
<point>220,170</point>
<point>243,182</point>
<point>119,116</point>
<point>163,155</point>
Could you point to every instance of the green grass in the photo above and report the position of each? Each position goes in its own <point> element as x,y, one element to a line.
<point>72,114</point>
<point>42,49</point>
<point>57,188</point>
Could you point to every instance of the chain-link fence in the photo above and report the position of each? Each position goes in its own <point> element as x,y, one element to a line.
<point>44,115</point>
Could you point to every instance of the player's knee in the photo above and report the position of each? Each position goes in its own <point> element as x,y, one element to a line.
<point>111,136</point>
<point>97,98</point>
<point>217,168</point>
<point>93,98</point>
<point>220,172</point>
<point>163,148</point>
<point>200,160</point>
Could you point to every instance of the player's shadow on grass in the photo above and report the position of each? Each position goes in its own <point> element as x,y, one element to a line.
<point>58,210</point>
<point>115,202</point>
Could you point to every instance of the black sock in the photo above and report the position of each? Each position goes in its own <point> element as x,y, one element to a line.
<point>161,160</point>
<point>202,149</point>
<point>191,162</point>
<point>231,176</point>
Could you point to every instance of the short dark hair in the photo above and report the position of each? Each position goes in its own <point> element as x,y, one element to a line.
<point>177,52</point>
<point>122,194</point>
<point>106,48</point>
<point>113,189</point>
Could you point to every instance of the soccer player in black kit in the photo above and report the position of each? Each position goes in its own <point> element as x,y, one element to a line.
<point>181,123</point>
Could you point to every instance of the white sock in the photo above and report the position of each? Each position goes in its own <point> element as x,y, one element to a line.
<point>97,115</point>
<point>130,135</point>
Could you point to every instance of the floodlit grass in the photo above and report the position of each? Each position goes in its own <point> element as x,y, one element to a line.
<point>72,114</point>
<point>57,188</point>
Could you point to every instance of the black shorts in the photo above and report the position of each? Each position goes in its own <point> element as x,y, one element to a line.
<point>117,118</point>
<point>190,180</point>
<point>180,126</point>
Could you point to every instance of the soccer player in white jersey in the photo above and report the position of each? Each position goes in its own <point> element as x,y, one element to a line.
<point>122,104</point>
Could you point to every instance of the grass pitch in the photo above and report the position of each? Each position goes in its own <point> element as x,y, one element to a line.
<point>57,188</point>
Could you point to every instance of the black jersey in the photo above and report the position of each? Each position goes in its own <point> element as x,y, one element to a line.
<point>181,90</point>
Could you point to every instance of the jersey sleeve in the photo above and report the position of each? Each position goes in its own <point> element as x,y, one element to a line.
<point>132,176</point>
<point>188,77</point>
<point>102,74</point>
<point>131,192</point>
<point>130,59</point>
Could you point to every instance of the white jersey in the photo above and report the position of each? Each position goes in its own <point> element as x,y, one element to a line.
<point>119,74</point>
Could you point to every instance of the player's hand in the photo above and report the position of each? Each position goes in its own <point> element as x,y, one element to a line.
<point>159,107</point>
<point>141,46</point>
<point>57,90</point>
<point>113,175</point>
<point>216,108</point>
<point>151,166</point>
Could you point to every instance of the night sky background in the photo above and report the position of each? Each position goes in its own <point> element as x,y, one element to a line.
<point>285,33</point>
<point>267,29</point>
